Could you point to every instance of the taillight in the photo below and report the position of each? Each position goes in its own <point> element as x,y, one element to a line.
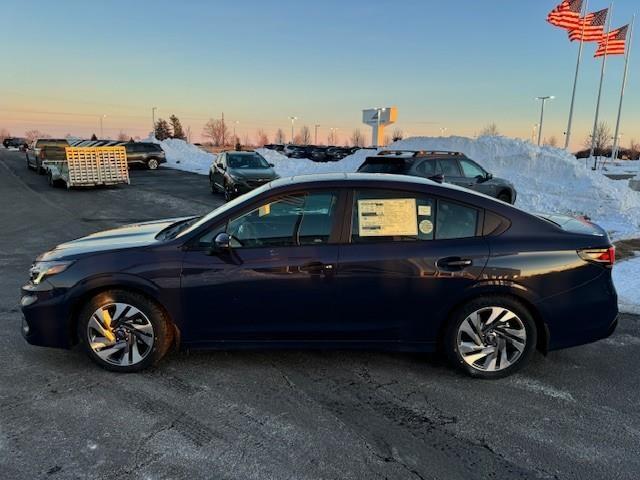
<point>606,256</point>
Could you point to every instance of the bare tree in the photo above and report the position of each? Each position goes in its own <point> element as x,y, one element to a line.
<point>280,138</point>
<point>4,133</point>
<point>332,137</point>
<point>305,135</point>
<point>490,130</point>
<point>261,138</point>
<point>246,140</point>
<point>297,139</point>
<point>634,147</point>
<point>122,136</point>
<point>386,140</point>
<point>603,139</point>
<point>397,135</point>
<point>216,131</point>
<point>357,139</point>
<point>552,141</point>
<point>31,135</point>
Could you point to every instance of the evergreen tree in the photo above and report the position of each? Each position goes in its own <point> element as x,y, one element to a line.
<point>93,137</point>
<point>163,131</point>
<point>176,128</point>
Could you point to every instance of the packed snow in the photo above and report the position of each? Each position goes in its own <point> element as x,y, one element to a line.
<point>547,179</point>
<point>626,277</point>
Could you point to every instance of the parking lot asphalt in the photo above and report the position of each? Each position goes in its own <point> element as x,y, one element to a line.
<point>573,414</point>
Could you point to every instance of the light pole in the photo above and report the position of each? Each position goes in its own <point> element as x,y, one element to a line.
<point>153,120</point>
<point>334,135</point>
<point>379,111</point>
<point>101,130</point>
<point>443,131</point>
<point>543,100</point>
<point>293,119</point>
<point>315,137</point>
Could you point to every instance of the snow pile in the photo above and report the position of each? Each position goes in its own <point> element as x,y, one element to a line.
<point>547,179</point>
<point>289,167</point>
<point>185,156</point>
<point>626,277</point>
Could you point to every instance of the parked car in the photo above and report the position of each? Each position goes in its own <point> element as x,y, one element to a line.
<point>338,153</point>
<point>275,146</point>
<point>234,173</point>
<point>344,260</point>
<point>296,151</point>
<point>15,142</point>
<point>318,154</point>
<point>451,167</point>
<point>36,155</point>
<point>148,154</point>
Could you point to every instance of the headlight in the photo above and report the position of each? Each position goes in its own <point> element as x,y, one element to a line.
<point>41,270</point>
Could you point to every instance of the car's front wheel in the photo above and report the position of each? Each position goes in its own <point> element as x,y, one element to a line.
<point>124,331</point>
<point>490,337</point>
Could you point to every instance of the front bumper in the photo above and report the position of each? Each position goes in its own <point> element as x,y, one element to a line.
<point>46,317</point>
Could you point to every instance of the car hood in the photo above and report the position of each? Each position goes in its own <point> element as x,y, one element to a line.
<point>498,181</point>
<point>254,173</point>
<point>127,236</point>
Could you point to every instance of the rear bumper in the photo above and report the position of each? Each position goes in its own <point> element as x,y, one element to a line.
<point>582,315</point>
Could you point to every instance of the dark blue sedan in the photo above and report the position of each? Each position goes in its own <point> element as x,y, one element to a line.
<point>349,261</point>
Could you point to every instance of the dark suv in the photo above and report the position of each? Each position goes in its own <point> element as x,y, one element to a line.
<point>450,167</point>
<point>150,155</point>
<point>235,173</point>
<point>13,142</point>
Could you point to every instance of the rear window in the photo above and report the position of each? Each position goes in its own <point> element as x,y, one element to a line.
<point>51,142</point>
<point>385,165</point>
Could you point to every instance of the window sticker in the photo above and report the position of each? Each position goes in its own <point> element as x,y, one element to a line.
<point>424,210</point>
<point>426,227</point>
<point>387,217</point>
<point>264,210</point>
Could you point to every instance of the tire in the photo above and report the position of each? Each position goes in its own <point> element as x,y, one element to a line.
<point>228,195</point>
<point>502,346</point>
<point>505,197</point>
<point>152,164</point>
<point>51,181</point>
<point>39,169</point>
<point>143,336</point>
<point>28,164</point>
<point>212,186</point>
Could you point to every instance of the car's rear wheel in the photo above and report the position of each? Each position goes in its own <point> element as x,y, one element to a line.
<point>212,185</point>
<point>124,331</point>
<point>152,164</point>
<point>490,337</point>
<point>228,194</point>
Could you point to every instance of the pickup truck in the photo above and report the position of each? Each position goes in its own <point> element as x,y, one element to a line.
<point>36,155</point>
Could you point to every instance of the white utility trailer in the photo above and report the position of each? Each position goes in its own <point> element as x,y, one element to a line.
<point>89,167</point>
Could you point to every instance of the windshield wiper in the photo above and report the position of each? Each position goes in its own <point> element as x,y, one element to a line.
<point>175,228</point>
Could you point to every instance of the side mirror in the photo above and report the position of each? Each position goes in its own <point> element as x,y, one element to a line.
<point>221,243</point>
<point>271,165</point>
<point>437,178</point>
<point>489,176</point>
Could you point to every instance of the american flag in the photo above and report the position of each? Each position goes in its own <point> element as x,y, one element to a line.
<point>615,45</point>
<point>591,27</point>
<point>566,15</point>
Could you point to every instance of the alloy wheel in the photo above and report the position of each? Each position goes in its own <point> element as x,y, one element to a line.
<point>491,339</point>
<point>120,334</point>
<point>152,164</point>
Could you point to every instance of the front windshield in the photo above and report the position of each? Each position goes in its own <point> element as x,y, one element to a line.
<point>246,162</point>
<point>224,208</point>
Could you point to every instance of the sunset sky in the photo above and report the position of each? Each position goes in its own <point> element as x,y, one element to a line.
<point>456,65</point>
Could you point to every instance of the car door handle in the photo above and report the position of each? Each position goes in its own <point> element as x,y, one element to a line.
<point>316,267</point>
<point>454,262</point>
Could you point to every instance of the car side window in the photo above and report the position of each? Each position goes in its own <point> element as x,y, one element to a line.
<point>391,216</point>
<point>455,221</point>
<point>427,168</point>
<point>292,220</point>
<point>471,170</point>
<point>450,167</point>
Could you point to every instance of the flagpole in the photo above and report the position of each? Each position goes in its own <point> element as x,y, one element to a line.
<point>604,64</point>
<point>614,155</point>
<point>575,80</point>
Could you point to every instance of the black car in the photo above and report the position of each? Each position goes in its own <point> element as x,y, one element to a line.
<point>338,153</point>
<point>318,154</point>
<point>15,142</point>
<point>296,151</point>
<point>275,146</point>
<point>331,261</point>
<point>234,173</point>
<point>451,167</point>
<point>148,154</point>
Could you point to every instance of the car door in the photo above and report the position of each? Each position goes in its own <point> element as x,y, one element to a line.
<point>452,172</point>
<point>476,176</point>
<point>404,263</point>
<point>218,172</point>
<point>276,282</point>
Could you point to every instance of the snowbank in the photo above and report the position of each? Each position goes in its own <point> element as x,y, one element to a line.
<point>185,156</point>
<point>626,277</point>
<point>547,179</point>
